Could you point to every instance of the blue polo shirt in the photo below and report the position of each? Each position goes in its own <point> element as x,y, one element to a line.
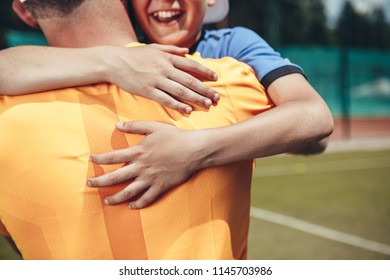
<point>246,46</point>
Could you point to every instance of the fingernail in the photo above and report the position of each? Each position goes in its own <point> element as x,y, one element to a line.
<point>119,124</point>
<point>208,103</point>
<point>129,206</point>
<point>106,201</point>
<point>215,77</point>
<point>216,97</point>
<point>188,110</point>
<point>89,183</point>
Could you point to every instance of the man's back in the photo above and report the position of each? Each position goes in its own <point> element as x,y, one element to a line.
<point>51,213</point>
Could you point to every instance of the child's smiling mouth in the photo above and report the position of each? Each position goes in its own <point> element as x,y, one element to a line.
<point>167,16</point>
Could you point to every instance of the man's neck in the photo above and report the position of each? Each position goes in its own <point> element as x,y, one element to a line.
<point>88,28</point>
<point>88,36</point>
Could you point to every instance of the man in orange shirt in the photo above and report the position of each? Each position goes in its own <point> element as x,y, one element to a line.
<point>168,167</point>
<point>45,204</point>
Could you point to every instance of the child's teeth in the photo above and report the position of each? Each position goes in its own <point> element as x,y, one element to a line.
<point>166,14</point>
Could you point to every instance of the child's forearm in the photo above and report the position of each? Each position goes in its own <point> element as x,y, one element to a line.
<point>29,69</point>
<point>160,73</point>
<point>297,127</point>
<point>300,123</point>
<point>291,126</point>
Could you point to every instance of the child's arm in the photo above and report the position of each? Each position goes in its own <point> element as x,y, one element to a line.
<point>270,67</point>
<point>299,119</point>
<point>156,72</point>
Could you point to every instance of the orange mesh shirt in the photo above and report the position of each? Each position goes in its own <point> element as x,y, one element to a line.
<point>46,140</point>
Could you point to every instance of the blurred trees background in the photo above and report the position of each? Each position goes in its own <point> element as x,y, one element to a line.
<point>303,22</point>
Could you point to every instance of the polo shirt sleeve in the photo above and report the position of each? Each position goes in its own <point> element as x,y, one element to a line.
<point>247,46</point>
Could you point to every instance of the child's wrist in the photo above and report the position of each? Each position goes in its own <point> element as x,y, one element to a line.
<point>104,58</point>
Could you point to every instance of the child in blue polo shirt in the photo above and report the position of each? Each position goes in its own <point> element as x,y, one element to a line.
<point>180,23</point>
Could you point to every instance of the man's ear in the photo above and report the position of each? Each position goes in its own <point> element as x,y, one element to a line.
<point>24,14</point>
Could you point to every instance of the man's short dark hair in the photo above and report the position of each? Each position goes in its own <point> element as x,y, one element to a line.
<point>50,8</point>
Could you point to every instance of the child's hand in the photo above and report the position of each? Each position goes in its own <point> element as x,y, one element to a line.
<point>163,74</point>
<point>165,158</point>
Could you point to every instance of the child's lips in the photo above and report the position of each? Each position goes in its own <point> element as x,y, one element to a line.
<point>167,16</point>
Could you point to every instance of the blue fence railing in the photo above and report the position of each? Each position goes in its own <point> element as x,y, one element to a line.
<point>368,78</point>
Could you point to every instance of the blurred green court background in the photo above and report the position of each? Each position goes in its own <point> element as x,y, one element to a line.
<point>347,192</point>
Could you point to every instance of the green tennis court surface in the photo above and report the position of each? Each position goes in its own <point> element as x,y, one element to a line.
<point>332,206</point>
